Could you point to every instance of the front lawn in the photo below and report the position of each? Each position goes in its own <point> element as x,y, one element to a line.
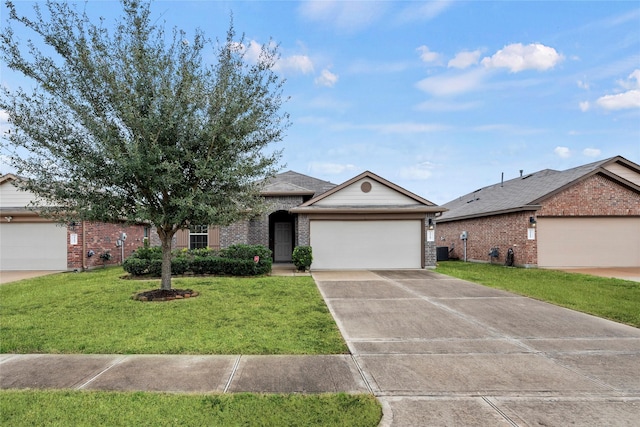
<point>93,313</point>
<point>614,299</point>
<point>98,408</point>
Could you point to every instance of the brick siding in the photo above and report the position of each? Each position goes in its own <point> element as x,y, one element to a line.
<point>594,196</point>
<point>501,231</point>
<point>100,238</point>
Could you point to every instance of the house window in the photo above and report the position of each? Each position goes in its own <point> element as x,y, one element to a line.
<point>198,236</point>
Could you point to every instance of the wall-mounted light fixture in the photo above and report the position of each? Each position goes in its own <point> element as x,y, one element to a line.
<point>72,225</point>
<point>430,223</point>
<point>8,218</point>
<point>532,222</point>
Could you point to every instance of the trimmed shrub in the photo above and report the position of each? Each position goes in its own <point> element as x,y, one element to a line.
<point>248,253</point>
<point>302,257</point>
<point>148,253</point>
<point>236,260</point>
<point>180,265</point>
<point>155,267</point>
<point>136,266</point>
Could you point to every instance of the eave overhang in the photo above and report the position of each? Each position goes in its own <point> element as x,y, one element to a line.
<point>526,208</point>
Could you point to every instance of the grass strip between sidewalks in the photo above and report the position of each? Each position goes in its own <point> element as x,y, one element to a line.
<point>93,313</point>
<point>613,299</point>
<point>99,408</point>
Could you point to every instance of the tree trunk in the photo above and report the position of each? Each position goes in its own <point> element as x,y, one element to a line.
<point>165,238</point>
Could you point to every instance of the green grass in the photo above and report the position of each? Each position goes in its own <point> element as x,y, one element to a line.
<point>93,313</point>
<point>614,299</point>
<point>81,408</point>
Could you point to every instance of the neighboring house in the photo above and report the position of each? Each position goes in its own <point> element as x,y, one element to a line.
<point>30,242</point>
<point>365,223</point>
<point>588,216</point>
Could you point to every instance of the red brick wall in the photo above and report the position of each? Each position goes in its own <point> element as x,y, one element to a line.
<point>101,237</point>
<point>501,231</point>
<point>595,196</point>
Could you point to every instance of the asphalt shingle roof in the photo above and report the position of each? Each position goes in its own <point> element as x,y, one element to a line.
<point>293,182</point>
<point>516,193</point>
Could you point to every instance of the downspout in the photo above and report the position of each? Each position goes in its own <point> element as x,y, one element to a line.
<point>84,246</point>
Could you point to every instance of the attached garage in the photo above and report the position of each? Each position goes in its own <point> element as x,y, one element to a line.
<point>588,242</point>
<point>369,223</point>
<point>33,246</point>
<point>367,244</point>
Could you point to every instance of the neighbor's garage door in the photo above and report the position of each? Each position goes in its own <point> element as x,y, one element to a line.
<point>33,246</point>
<point>588,242</point>
<point>384,244</point>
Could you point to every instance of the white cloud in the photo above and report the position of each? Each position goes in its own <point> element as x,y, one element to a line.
<point>406,127</point>
<point>464,59</point>
<point>620,101</point>
<point>326,78</point>
<point>445,85</point>
<point>369,67</point>
<point>4,122</point>
<point>295,63</point>
<point>630,83</point>
<point>591,152</point>
<point>443,106</point>
<point>624,100</point>
<point>349,16</point>
<point>424,10</point>
<point>563,152</point>
<point>518,57</point>
<point>584,106</point>
<point>421,171</point>
<point>426,55</point>
<point>330,168</point>
<point>582,84</point>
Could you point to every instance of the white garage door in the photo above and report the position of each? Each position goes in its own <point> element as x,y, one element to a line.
<point>589,242</point>
<point>366,244</point>
<point>33,246</point>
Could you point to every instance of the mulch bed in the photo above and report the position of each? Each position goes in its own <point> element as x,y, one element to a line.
<point>165,294</point>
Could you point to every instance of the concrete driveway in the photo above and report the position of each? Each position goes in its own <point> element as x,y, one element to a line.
<point>441,351</point>
<point>7,276</point>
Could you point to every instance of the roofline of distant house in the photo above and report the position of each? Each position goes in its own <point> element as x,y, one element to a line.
<point>287,193</point>
<point>365,209</point>
<point>492,213</point>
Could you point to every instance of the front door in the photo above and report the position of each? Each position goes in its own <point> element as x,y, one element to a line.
<point>283,245</point>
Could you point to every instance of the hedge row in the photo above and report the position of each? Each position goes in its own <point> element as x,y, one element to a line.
<point>237,260</point>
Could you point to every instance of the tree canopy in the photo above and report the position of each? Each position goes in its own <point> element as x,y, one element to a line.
<point>132,124</point>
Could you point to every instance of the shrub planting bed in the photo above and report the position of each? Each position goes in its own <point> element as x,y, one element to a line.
<point>236,260</point>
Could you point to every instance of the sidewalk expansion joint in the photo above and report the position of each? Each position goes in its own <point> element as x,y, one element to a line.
<point>499,411</point>
<point>233,373</point>
<point>116,362</point>
<point>362,375</point>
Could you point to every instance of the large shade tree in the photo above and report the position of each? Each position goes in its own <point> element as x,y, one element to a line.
<point>133,124</point>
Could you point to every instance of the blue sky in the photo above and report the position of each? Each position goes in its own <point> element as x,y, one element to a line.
<point>443,97</point>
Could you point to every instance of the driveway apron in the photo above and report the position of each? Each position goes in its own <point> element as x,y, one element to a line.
<point>442,351</point>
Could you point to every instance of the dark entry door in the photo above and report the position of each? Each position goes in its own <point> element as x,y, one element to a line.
<point>283,242</point>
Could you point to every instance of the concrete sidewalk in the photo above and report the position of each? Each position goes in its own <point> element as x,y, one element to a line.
<point>192,374</point>
<point>434,350</point>
<point>442,351</point>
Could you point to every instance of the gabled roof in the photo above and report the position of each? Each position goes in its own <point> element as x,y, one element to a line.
<point>292,183</point>
<point>529,191</point>
<point>413,202</point>
<point>7,177</point>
